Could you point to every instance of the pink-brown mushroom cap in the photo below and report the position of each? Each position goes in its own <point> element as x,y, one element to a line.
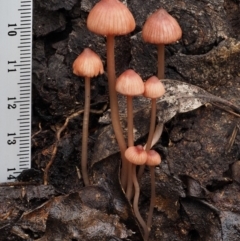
<point>110,17</point>
<point>136,155</point>
<point>130,83</point>
<point>88,64</point>
<point>161,28</point>
<point>153,158</point>
<point>154,88</point>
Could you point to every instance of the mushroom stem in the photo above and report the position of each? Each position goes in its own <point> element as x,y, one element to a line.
<point>152,124</point>
<point>152,203</point>
<point>129,189</point>
<point>148,147</point>
<point>135,201</point>
<point>161,65</point>
<point>114,106</point>
<point>130,121</point>
<point>150,135</point>
<point>152,174</point>
<point>85,132</point>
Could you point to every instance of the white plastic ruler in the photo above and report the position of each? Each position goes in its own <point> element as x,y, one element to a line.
<point>15,87</point>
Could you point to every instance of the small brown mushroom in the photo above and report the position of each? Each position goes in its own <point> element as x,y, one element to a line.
<point>161,28</point>
<point>129,83</point>
<point>87,64</point>
<point>111,18</point>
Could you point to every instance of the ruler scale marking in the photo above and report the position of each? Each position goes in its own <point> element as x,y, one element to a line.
<point>15,104</point>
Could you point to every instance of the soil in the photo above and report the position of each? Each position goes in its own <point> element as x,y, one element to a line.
<point>198,181</point>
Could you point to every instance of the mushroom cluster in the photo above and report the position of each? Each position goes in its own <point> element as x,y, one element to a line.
<point>111,18</point>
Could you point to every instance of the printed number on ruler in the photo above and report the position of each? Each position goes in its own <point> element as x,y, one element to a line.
<point>15,90</point>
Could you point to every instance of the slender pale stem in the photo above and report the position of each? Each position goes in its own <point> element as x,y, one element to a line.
<point>130,143</point>
<point>85,132</point>
<point>152,203</point>
<point>130,121</point>
<point>150,135</point>
<point>114,106</point>
<point>135,201</point>
<point>148,147</point>
<point>152,124</point>
<point>161,64</point>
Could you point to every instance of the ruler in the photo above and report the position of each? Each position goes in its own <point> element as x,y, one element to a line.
<point>15,87</point>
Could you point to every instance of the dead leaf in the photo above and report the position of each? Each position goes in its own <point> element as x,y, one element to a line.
<point>89,214</point>
<point>180,97</point>
<point>71,219</point>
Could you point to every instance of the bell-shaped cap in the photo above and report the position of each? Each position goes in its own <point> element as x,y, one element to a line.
<point>136,155</point>
<point>88,64</point>
<point>154,88</point>
<point>110,17</point>
<point>130,83</point>
<point>153,158</point>
<point>161,28</point>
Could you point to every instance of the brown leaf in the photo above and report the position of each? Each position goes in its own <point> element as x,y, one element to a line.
<point>180,97</point>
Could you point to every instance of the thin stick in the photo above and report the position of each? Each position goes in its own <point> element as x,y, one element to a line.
<point>58,136</point>
<point>85,132</point>
<point>114,106</point>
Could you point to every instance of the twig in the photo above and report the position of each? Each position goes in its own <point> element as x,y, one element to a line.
<point>223,108</point>
<point>15,184</point>
<point>58,136</point>
<point>217,99</point>
<point>39,131</point>
<point>232,138</point>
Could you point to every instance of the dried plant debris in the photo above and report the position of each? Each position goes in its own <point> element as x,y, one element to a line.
<point>106,174</point>
<point>169,189</point>
<point>197,147</point>
<point>84,215</point>
<point>206,223</point>
<point>211,223</point>
<point>226,198</point>
<point>180,97</point>
<point>230,226</point>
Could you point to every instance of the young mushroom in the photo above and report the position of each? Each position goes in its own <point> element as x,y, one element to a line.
<point>153,88</point>
<point>111,18</point>
<point>161,28</point>
<point>87,64</point>
<point>130,84</point>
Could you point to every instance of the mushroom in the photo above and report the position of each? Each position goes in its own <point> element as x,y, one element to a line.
<point>87,64</point>
<point>154,89</point>
<point>136,155</point>
<point>129,83</point>
<point>111,18</point>
<point>161,28</point>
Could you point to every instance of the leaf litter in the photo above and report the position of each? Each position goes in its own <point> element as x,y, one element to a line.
<point>180,97</point>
